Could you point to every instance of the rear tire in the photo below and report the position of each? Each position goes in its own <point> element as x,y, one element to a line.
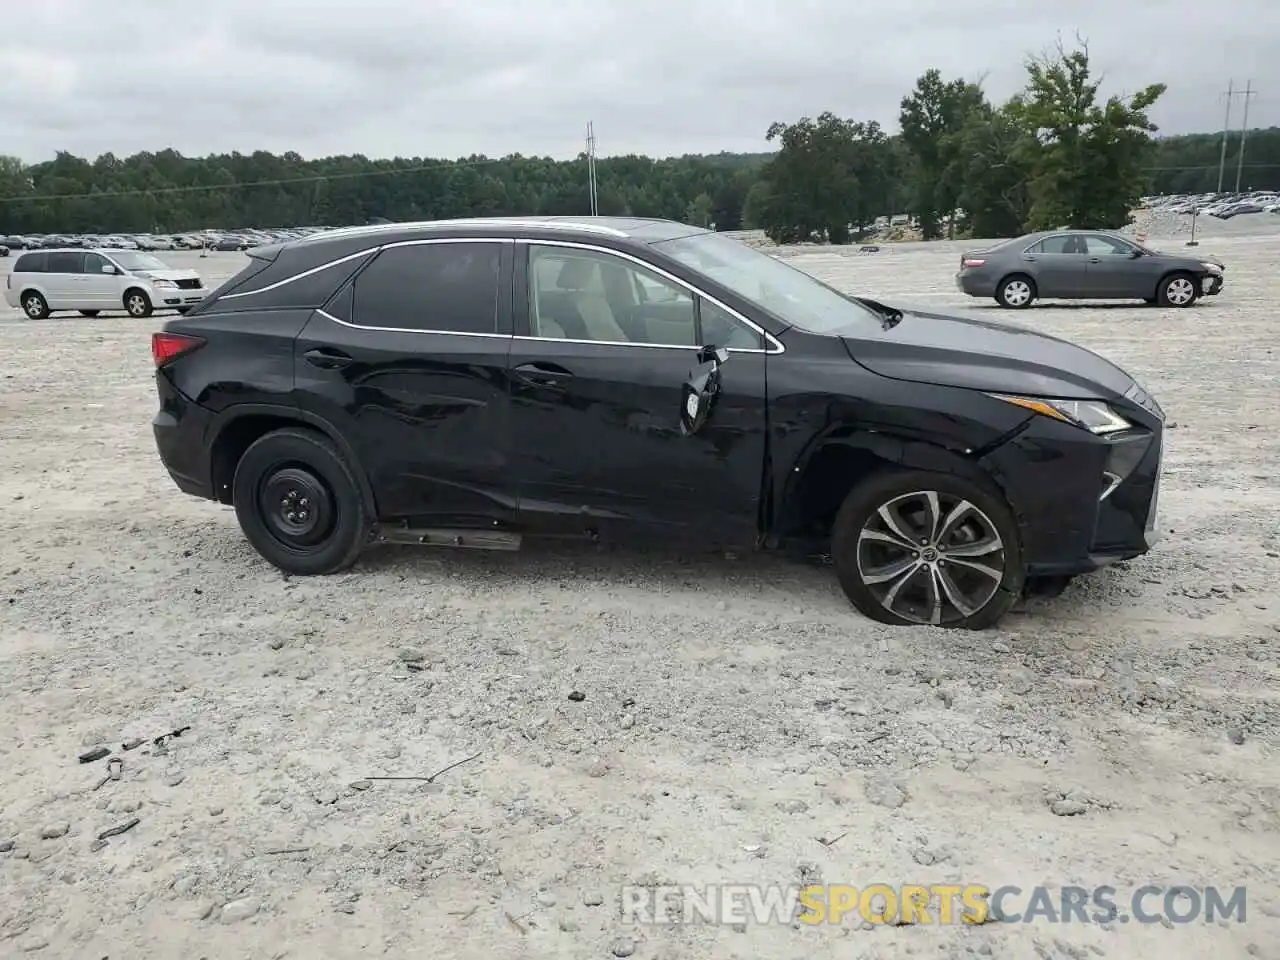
<point>1016,292</point>
<point>137,303</point>
<point>915,547</point>
<point>1178,290</point>
<point>299,504</point>
<point>88,313</point>
<point>34,305</point>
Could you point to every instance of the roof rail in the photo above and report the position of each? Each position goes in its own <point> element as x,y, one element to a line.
<point>463,221</point>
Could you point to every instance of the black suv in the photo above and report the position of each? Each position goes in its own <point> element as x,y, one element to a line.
<point>469,383</point>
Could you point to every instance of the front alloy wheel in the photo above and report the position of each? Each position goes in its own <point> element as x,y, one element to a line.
<point>932,549</point>
<point>931,558</point>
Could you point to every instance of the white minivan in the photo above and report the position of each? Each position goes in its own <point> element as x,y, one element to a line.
<point>92,281</point>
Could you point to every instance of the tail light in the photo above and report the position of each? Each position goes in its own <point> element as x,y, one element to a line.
<point>166,347</point>
<point>971,262</point>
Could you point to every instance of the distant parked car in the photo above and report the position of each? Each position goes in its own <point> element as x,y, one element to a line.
<point>228,242</point>
<point>1086,265</point>
<point>91,281</point>
<point>4,251</point>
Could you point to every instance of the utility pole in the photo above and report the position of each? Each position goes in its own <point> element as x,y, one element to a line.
<point>1226,128</point>
<point>591,167</point>
<point>1244,130</point>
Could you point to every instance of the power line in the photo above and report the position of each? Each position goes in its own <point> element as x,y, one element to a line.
<point>1212,166</point>
<point>1226,126</point>
<point>311,178</point>
<point>1249,93</point>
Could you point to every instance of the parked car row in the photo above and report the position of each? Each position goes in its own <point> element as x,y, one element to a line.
<point>1086,265</point>
<point>201,240</point>
<point>1224,206</point>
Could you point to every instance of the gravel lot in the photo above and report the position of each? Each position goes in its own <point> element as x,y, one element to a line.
<point>737,712</point>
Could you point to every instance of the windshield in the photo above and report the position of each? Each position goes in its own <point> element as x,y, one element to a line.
<point>137,261</point>
<point>792,295</point>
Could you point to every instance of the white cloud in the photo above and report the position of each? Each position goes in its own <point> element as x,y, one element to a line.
<point>385,77</point>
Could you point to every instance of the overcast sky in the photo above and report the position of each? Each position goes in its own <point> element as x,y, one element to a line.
<point>450,78</point>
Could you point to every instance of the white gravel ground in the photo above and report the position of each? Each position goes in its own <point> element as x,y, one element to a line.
<point>736,710</point>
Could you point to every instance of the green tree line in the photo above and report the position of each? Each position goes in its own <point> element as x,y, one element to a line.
<point>1057,153</point>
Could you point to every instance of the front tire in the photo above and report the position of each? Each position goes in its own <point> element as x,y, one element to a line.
<point>922,548</point>
<point>299,504</point>
<point>1178,290</point>
<point>35,306</point>
<point>1016,292</point>
<point>137,304</point>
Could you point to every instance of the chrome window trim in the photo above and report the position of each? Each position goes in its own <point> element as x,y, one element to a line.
<point>368,251</point>
<point>773,345</point>
<point>442,333</point>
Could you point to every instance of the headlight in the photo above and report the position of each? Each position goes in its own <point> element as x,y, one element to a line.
<point>1092,415</point>
<point>1211,267</point>
<point>164,284</point>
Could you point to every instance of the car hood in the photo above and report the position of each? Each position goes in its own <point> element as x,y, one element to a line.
<point>166,274</point>
<point>985,355</point>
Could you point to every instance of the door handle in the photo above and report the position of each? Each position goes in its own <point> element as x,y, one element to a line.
<point>1029,259</point>
<point>542,374</point>
<point>1094,260</point>
<point>327,359</point>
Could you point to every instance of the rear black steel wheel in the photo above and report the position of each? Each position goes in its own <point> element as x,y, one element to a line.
<point>299,504</point>
<point>917,547</point>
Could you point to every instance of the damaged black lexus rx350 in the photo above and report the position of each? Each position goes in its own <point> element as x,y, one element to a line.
<point>472,383</point>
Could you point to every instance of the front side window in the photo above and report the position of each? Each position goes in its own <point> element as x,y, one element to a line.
<point>1100,246</point>
<point>793,296</point>
<point>722,329</point>
<point>449,287</point>
<point>584,295</point>
<point>65,262</point>
<point>94,262</point>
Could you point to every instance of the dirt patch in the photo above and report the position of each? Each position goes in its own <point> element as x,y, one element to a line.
<point>735,713</point>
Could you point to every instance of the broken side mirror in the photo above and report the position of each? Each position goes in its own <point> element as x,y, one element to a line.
<point>699,393</point>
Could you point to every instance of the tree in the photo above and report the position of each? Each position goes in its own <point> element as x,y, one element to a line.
<point>830,175</point>
<point>990,162</point>
<point>1086,159</point>
<point>932,117</point>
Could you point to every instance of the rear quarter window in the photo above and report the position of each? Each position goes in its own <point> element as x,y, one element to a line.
<point>31,263</point>
<point>304,289</point>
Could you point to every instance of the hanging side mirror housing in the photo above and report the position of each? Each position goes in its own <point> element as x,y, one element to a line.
<point>698,395</point>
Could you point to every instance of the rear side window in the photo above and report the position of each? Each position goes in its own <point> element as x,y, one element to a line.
<point>451,287</point>
<point>65,262</point>
<point>31,263</point>
<point>1066,243</point>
